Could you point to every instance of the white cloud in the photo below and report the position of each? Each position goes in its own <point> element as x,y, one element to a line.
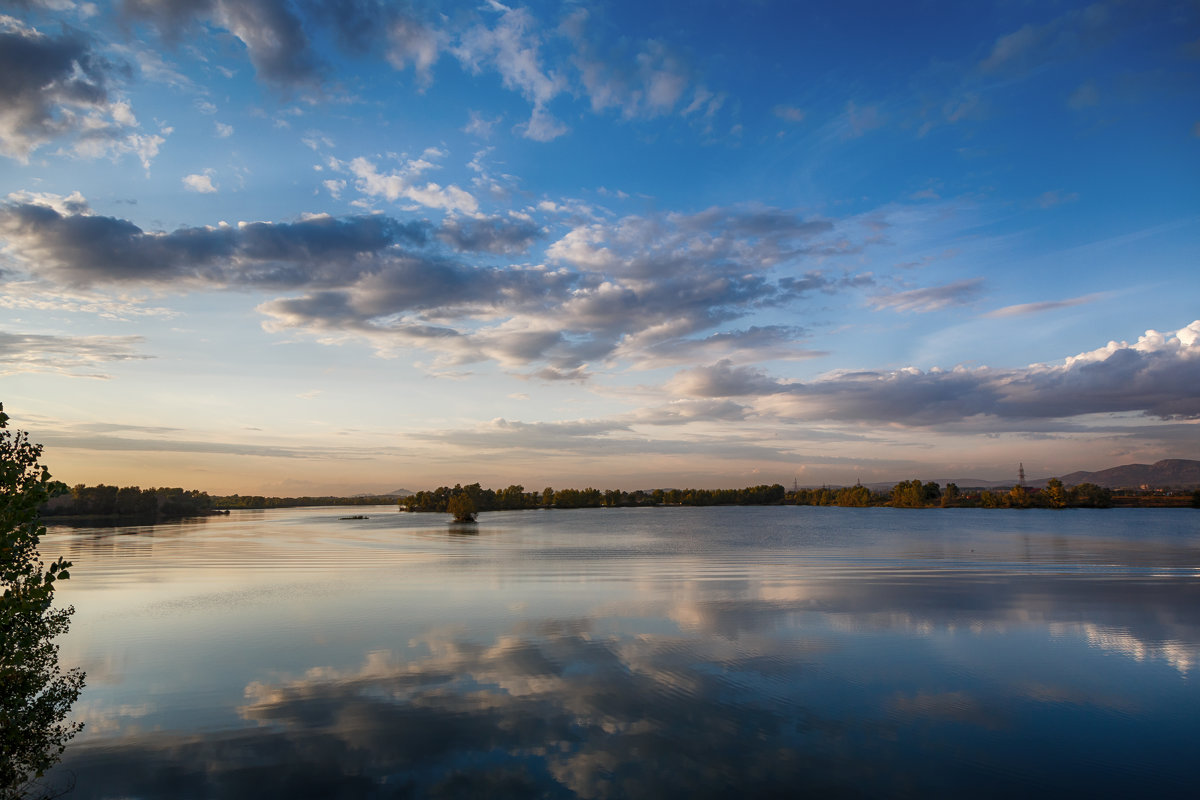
<point>200,182</point>
<point>223,131</point>
<point>399,184</point>
<point>932,298</point>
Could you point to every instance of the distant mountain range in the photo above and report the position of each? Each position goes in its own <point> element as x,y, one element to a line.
<point>1170,473</point>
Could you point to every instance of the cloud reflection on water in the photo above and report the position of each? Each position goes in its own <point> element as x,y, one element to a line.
<point>746,697</point>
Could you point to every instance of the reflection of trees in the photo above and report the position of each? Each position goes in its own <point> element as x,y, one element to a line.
<point>35,695</point>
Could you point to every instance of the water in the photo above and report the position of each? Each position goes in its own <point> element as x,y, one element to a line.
<point>671,652</point>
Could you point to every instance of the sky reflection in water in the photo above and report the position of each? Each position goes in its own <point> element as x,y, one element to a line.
<point>637,653</point>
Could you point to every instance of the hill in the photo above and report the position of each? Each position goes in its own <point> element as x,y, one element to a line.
<point>1170,473</point>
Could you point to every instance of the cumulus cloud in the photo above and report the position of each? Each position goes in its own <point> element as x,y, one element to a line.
<point>271,31</point>
<point>1159,376</point>
<point>723,379</point>
<point>82,249</point>
<point>199,182</point>
<point>490,234</point>
<point>643,80</point>
<point>756,343</point>
<point>654,298</point>
<point>404,184</point>
<point>69,355</point>
<point>512,48</point>
<point>932,298</point>
<point>60,87</point>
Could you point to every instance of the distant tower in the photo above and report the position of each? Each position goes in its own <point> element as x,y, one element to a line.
<point>795,485</point>
<point>1021,475</point>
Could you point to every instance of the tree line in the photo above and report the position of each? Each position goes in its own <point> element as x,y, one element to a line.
<point>906,494</point>
<point>515,497</point>
<point>126,501</point>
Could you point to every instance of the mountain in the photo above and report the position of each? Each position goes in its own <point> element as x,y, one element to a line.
<point>1170,473</point>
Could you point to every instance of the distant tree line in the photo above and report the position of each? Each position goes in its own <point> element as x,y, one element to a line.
<point>906,494</point>
<point>515,497</point>
<point>260,501</point>
<point>126,502</point>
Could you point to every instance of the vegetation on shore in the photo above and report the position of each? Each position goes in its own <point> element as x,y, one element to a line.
<point>36,694</point>
<point>131,503</point>
<point>906,494</point>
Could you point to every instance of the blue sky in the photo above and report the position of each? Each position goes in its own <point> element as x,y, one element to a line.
<point>297,246</point>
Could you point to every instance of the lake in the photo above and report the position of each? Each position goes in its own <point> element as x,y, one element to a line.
<point>660,652</point>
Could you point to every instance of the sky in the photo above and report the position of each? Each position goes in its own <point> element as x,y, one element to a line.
<point>343,246</point>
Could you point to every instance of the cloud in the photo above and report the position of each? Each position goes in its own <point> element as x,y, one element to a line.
<point>1054,198</point>
<point>932,298</point>
<point>789,113</point>
<point>82,249</point>
<point>644,290</point>
<point>58,86</point>
<point>489,234</point>
<point>223,131</point>
<point>271,31</point>
<point>1064,37</point>
<point>512,49</point>
<point>402,183</point>
<point>68,355</point>
<point>1085,96</point>
<point>723,379</point>
<point>645,80</point>
<point>861,119</point>
<point>756,343</point>
<point>1023,309</point>
<point>1158,376</point>
<point>200,182</point>
<point>480,126</point>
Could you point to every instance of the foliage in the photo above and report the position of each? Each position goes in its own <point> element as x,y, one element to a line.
<point>128,501</point>
<point>1054,493</point>
<point>35,695</point>
<point>260,501</point>
<point>462,507</point>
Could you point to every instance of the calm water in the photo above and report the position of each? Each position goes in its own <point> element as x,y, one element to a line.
<point>637,653</point>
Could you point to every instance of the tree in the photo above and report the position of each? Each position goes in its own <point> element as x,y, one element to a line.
<point>462,507</point>
<point>1055,494</point>
<point>35,695</point>
<point>1018,497</point>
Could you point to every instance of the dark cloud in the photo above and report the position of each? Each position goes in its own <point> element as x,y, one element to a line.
<point>490,234</point>
<point>83,249</point>
<point>1157,376</point>
<point>274,36</point>
<point>48,85</point>
<point>386,279</point>
<point>759,343</point>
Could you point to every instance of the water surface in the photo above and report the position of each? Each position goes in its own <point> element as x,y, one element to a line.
<point>669,652</point>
